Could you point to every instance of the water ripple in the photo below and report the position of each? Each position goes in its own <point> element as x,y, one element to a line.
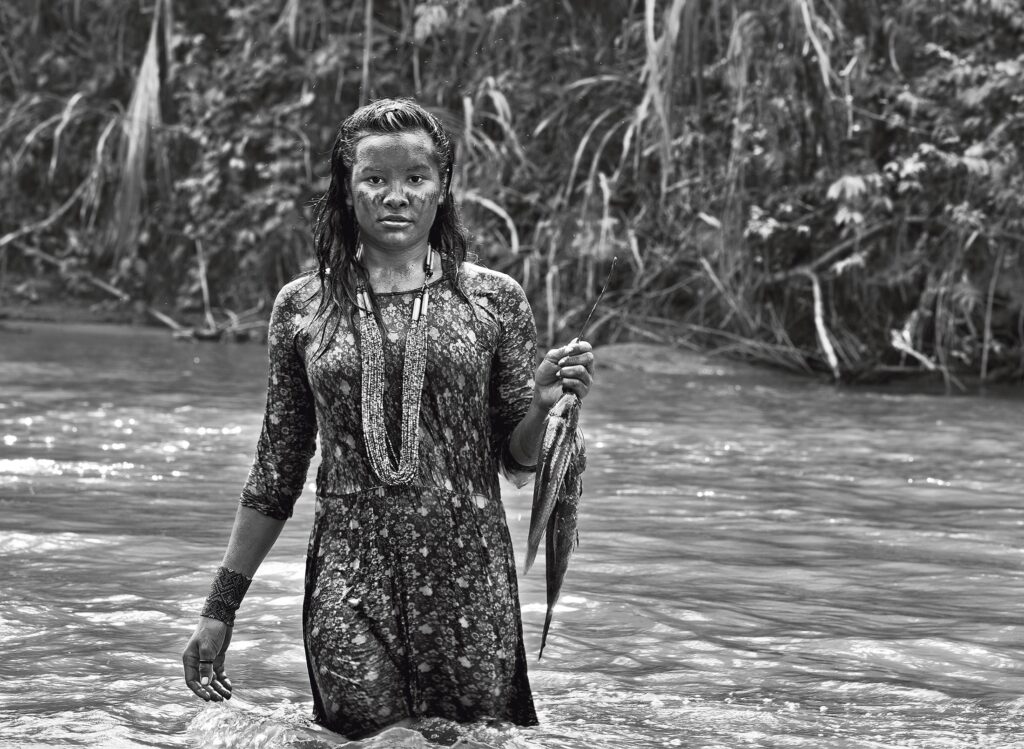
<point>764,562</point>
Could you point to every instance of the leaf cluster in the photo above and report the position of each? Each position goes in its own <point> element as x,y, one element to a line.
<point>817,184</point>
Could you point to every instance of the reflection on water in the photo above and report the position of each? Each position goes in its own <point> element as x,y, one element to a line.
<point>764,561</point>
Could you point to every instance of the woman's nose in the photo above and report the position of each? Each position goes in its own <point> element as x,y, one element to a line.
<point>395,198</point>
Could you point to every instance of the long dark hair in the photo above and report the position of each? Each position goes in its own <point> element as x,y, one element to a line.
<point>335,231</point>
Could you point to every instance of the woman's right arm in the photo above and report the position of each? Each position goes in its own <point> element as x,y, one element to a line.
<point>252,537</point>
<point>286,445</point>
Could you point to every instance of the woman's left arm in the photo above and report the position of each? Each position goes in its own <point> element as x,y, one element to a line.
<point>566,369</point>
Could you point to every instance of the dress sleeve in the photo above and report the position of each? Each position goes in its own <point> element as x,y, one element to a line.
<point>288,438</point>
<point>512,377</point>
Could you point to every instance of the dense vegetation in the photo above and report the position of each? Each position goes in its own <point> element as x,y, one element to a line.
<point>820,184</point>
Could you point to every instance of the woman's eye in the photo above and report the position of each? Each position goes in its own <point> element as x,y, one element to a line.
<point>375,180</point>
<point>416,179</point>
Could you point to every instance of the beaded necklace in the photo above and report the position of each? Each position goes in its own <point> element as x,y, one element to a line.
<point>404,467</point>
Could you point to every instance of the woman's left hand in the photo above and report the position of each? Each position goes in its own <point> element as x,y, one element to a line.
<point>566,369</point>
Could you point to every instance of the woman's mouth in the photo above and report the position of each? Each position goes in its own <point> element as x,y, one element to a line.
<point>395,221</point>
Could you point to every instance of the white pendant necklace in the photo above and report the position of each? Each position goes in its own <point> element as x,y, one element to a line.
<point>371,349</point>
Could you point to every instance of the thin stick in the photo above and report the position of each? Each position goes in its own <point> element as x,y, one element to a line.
<point>47,222</point>
<point>204,287</point>
<point>987,340</point>
<point>820,327</point>
<point>598,300</point>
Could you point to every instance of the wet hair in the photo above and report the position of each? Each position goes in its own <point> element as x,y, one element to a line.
<point>335,230</point>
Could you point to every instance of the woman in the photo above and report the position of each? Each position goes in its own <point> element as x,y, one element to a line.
<point>418,371</point>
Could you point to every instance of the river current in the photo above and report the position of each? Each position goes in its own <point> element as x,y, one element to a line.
<point>765,561</point>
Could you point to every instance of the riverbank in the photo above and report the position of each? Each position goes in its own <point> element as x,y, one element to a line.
<point>64,312</point>
<point>670,349</point>
<point>40,299</point>
<point>44,298</point>
<point>649,359</point>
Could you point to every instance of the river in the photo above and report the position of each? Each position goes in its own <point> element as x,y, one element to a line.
<point>765,561</point>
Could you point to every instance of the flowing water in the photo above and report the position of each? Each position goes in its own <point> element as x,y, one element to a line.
<point>764,561</point>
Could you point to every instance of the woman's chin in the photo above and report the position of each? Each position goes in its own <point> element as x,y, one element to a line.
<point>398,240</point>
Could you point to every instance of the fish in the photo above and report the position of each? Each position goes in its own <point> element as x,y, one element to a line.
<point>558,487</point>
<point>556,497</point>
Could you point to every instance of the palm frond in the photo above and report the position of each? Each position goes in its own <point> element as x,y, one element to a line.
<point>140,128</point>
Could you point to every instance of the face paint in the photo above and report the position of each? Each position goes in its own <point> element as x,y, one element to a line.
<point>396,186</point>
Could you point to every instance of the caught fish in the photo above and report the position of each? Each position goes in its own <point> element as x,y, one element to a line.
<point>556,498</point>
<point>558,487</point>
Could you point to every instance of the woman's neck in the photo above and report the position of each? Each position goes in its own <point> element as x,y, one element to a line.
<point>398,271</point>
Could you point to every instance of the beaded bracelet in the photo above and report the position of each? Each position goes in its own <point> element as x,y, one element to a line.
<point>226,594</point>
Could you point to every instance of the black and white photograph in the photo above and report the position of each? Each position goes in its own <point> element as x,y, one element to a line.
<point>512,374</point>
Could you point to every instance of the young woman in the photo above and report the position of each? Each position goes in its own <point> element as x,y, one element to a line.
<point>417,369</point>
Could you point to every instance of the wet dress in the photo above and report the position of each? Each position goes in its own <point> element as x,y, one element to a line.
<point>411,604</point>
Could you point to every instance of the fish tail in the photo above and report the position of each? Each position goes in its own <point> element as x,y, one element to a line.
<point>554,573</point>
<point>544,634</point>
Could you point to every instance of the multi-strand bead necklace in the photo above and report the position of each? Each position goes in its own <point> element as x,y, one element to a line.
<point>404,467</point>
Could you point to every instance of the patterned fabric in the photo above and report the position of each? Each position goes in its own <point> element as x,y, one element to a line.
<point>226,593</point>
<point>411,605</point>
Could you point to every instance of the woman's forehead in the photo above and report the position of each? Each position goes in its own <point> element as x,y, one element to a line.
<point>382,150</point>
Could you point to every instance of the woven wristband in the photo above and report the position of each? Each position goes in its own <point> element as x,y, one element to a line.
<point>226,594</point>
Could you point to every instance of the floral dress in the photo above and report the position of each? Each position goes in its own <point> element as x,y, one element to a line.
<point>411,603</point>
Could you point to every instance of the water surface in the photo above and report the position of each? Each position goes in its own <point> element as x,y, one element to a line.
<point>765,561</point>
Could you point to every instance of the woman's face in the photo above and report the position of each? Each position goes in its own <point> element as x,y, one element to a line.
<point>396,187</point>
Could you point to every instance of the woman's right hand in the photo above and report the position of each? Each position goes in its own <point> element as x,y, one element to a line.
<point>204,660</point>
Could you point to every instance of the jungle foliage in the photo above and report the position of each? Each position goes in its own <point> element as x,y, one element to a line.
<point>824,185</point>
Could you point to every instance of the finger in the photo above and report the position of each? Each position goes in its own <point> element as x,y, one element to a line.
<point>576,386</point>
<point>577,372</point>
<point>221,689</point>
<point>586,359</point>
<point>207,655</point>
<point>198,689</point>
<point>211,690</point>
<point>205,672</point>
<point>571,349</point>
<point>190,661</point>
<point>553,355</point>
<point>221,682</point>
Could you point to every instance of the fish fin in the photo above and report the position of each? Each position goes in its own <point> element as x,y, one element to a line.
<point>538,516</point>
<point>553,585</point>
<point>548,485</point>
<point>551,562</point>
<point>581,451</point>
